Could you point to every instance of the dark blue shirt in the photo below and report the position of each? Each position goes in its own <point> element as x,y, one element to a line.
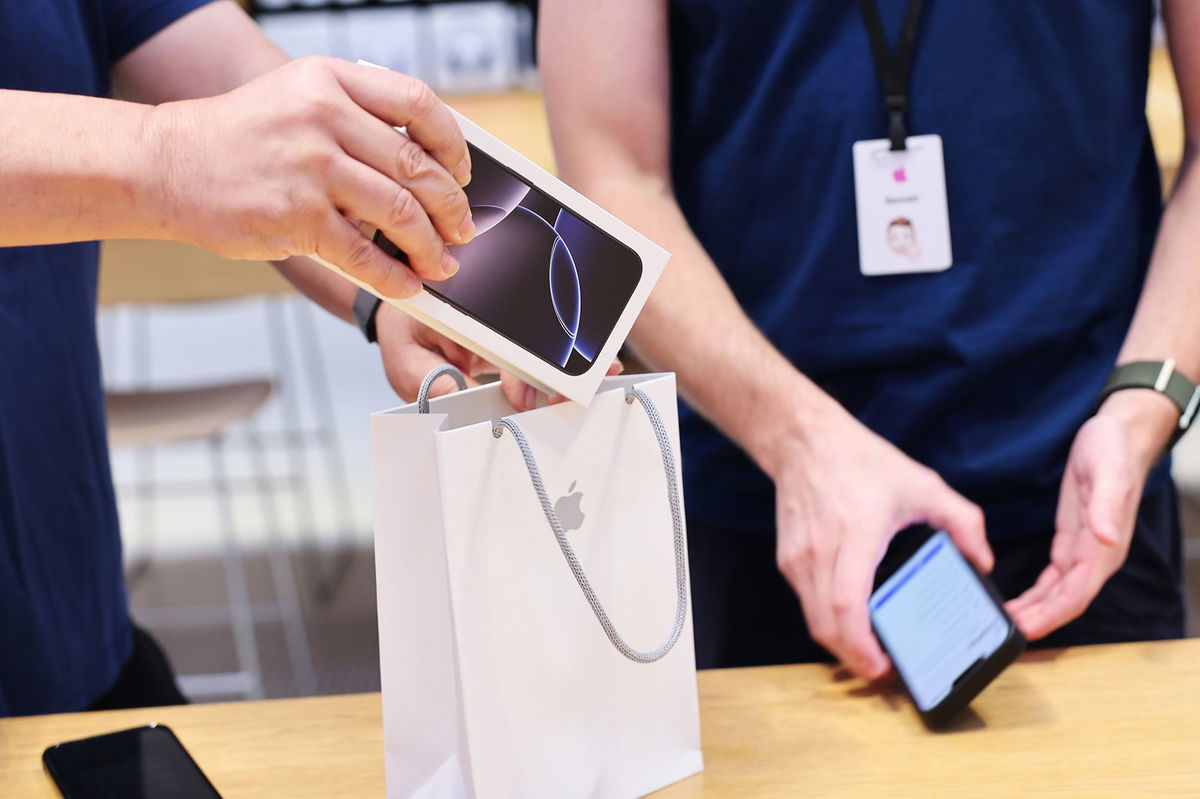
<point>64,621</point>
<point>983,372</point>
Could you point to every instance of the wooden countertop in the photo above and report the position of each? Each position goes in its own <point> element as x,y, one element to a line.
<point>1106,721</point>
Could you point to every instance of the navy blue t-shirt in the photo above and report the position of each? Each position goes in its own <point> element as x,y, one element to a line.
<point>983,372</point>
<point>64,621</point>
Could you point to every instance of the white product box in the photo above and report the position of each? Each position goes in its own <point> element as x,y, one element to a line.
<point>554,291</point>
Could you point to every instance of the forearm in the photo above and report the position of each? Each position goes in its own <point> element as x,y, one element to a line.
<point>694,326</point>
<point>75,169</point>
<point>1165,325</point>
<point>620,157</point>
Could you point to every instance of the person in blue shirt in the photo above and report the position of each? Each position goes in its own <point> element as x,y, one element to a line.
<point>219,141</point>
<point>827,409</point>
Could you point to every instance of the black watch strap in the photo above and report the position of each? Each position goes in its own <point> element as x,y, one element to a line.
<point>366,307</point>
<point>1160,376</point>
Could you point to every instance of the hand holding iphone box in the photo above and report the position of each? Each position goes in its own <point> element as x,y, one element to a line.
<point>550,285</point>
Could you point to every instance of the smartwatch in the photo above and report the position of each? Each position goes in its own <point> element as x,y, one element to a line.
<point>1160,376</point>
<point>366,307</point>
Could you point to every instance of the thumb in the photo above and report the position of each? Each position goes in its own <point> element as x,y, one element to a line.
<point>948,510</point>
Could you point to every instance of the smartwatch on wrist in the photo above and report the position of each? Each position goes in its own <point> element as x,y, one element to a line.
<point>366,307</point>
<point>1160,376</point>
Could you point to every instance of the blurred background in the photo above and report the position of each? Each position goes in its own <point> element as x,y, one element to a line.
<point>239,414</point>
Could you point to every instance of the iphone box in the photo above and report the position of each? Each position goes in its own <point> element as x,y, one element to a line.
<point>550,285</point>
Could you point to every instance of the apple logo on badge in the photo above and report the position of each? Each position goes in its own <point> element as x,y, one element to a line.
<point>570,515</point>
<point>900,175</point>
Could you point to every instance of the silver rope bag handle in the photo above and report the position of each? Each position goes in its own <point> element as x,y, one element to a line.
<point>434,374</point>
<point>585,585</point>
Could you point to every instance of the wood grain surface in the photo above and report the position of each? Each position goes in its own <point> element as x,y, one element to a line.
<point>1104,721</point>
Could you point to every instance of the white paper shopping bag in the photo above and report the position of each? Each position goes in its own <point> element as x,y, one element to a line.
<point>535,630</point>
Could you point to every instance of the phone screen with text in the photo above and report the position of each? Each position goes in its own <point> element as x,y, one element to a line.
<point>936,620</point>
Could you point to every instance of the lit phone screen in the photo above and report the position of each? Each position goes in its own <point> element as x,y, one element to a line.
<point>936,620</point>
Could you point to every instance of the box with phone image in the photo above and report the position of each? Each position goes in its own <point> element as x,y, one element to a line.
<point>551,284</point>
<point>536,272</point>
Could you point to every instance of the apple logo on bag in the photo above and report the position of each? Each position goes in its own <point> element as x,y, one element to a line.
<point>570,515</point>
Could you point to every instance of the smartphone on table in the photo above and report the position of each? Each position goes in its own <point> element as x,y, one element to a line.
<point>942,623</point>
<point>142,763</point>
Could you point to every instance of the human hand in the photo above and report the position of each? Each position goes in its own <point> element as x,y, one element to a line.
<point>842,493</point>
<point>411,350</point>
<point>524,397</point>
<point>282,165</point>
<point>1097,508</point>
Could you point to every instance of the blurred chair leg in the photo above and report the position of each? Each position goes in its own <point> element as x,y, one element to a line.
<point>241,614</point>
<point>327,580</point>
<point>146,492</point>
<point>294,439</point>
<point>335,460</point>
<point>282,575</point>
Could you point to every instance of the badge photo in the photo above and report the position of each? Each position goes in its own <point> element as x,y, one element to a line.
<point>903,217</point>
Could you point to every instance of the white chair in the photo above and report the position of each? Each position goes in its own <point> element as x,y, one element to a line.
<point>147,418</point>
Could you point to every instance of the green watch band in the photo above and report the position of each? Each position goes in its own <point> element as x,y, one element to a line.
<point>1160,376</point>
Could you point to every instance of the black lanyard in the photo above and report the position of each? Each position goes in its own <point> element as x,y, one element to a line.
<point>893,67</point>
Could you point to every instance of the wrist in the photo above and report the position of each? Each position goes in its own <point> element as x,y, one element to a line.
<point>388,320</point>
<point>157,189</point>
<point>792,426</point>
<point>1149,418</point>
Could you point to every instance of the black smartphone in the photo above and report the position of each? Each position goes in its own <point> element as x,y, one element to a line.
<point>142,763</point>
<point>536,273</point>
<point>942,623</point>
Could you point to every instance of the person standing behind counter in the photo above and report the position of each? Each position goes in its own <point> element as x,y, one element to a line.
<point>830,404</point>
<point>270,170</point>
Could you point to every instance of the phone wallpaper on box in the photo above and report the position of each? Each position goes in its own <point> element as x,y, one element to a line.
<point>535,272</point>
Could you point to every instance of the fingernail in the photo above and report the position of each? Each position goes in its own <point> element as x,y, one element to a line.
<point>462,173</point>
<point>530,397</point>
<point>466,230</point>
<point>449,264</point>
<point>412,284</point>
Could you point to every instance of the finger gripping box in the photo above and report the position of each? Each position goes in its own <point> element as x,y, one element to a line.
<point>551,284</point>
